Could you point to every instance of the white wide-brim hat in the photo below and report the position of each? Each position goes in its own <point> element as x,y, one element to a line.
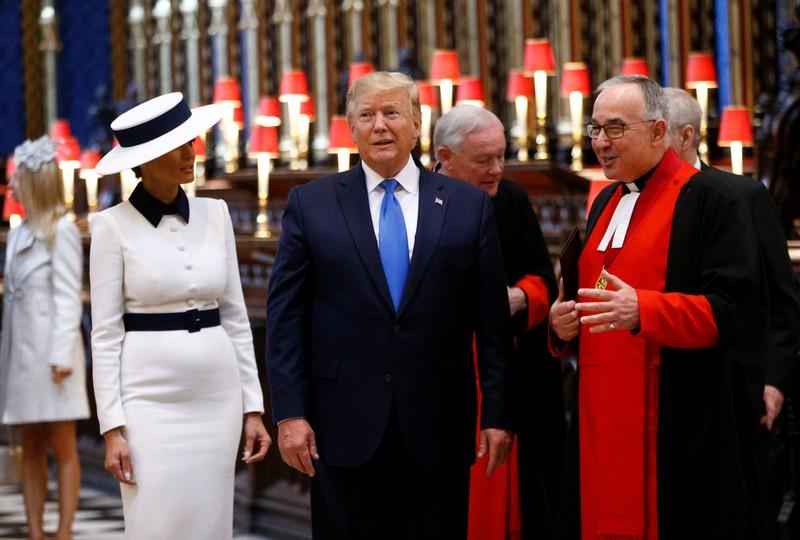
<point>153,128</point>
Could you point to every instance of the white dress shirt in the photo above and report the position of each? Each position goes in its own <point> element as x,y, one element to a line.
<point>406,193</point>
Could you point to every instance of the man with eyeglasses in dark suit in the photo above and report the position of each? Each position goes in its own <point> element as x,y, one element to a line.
<point>668,278</point>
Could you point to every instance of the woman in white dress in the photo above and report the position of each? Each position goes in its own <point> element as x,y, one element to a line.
<point>42,359</point>
<point>174,370</point>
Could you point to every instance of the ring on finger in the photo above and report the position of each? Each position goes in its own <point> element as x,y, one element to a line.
<point>612,326</point>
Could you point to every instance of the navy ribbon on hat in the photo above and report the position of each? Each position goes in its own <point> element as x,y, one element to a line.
<point>156,127</point>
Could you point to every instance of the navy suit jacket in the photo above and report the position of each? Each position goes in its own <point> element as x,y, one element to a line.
<point>340,355</point>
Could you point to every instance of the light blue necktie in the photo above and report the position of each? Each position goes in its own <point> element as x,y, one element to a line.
<point>393,242</point>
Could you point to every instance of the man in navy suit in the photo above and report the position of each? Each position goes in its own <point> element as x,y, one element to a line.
<point>385,278</point>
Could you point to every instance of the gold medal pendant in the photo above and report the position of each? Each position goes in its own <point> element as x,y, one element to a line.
<point>601,283</point>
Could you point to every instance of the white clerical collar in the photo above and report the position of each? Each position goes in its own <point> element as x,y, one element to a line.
<point>618,226</point>
<point>697,163</point>
<point>408,177</point>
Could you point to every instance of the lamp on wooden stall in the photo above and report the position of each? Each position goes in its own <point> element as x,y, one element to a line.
<point>470,92</point>
<point>127,179</point>
<point>634,66</point>
<point>575,84</point>
<point>294,91</point>
<point>269,112</point>
<point>358,70</point>
<point>427,102</point>
<point>238,117</point>
<point>306,119</point>
<point>228,93</point>
<point>263,146</point>
<point>445,72</point>
<point>520,91</point>
<point>736,131</point>
<point>342,143</point>
<point>200,156</point>
<point>701,74</point>
<point>68,154</point>
<point>60,130</point>
<point>89,159</point>
<point>13,211</point>
<point>538,62</point>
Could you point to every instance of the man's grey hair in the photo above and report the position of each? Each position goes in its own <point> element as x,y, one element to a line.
<point>683,111</point>
<point>460,121</point>
<point>655,101</point>
<point>383,81</point>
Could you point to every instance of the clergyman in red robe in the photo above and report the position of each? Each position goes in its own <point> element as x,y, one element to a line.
<point>669,280</point>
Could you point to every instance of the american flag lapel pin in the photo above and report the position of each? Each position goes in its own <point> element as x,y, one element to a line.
<point>438,201</point>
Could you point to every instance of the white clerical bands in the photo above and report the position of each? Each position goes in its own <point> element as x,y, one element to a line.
<point>618,226</point>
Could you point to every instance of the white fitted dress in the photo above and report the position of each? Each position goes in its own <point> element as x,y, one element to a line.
<point>180,396</point>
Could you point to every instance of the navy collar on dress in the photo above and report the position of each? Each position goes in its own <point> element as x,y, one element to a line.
<point>153,209</point>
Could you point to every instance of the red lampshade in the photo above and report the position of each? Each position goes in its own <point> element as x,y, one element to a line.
<point>634,66</point>
<point>340,135</point>
<point>11,167</point>
<point>519,85</point>
<point>89,159</point>
<point>12,206</point>
<point>735,126</point>
<point>263,139</point>
<point>427,94</point>
<point>444,66</point>
<point>200,148</point>
<point>307,108</point>
<point>538,56</point>
<point>269,111</point>
<point>238,116</point>
<point>60,130</point>
<point>358,70</point>
<point>700,69</point>
<point>470,90</point>
<point>226,90</point>
<point>575,78</point>
<point>69,151</point>
<point>294,86</point>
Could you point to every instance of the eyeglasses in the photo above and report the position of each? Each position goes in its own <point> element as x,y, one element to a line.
<point>614,130</point>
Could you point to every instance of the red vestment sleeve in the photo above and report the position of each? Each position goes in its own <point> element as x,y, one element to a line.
<point>538,296</point>
<point>683,321</point>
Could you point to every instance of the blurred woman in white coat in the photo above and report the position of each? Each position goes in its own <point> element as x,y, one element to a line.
<point>41,350</point>
<point>174,368</point>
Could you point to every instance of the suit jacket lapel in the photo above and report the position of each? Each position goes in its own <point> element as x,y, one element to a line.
<point>432,208</point>
<point>354,202</point>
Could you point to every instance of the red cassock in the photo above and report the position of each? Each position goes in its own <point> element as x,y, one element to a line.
<point>494,512</point>
<point>494,505</point>
<point>619,370</point>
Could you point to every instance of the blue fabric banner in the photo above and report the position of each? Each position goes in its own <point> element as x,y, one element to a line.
<point>84,63</point>
<point>723,53</point>
<point>12,106</point>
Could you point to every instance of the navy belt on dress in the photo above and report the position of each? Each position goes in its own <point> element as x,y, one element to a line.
<point>192,320</point>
